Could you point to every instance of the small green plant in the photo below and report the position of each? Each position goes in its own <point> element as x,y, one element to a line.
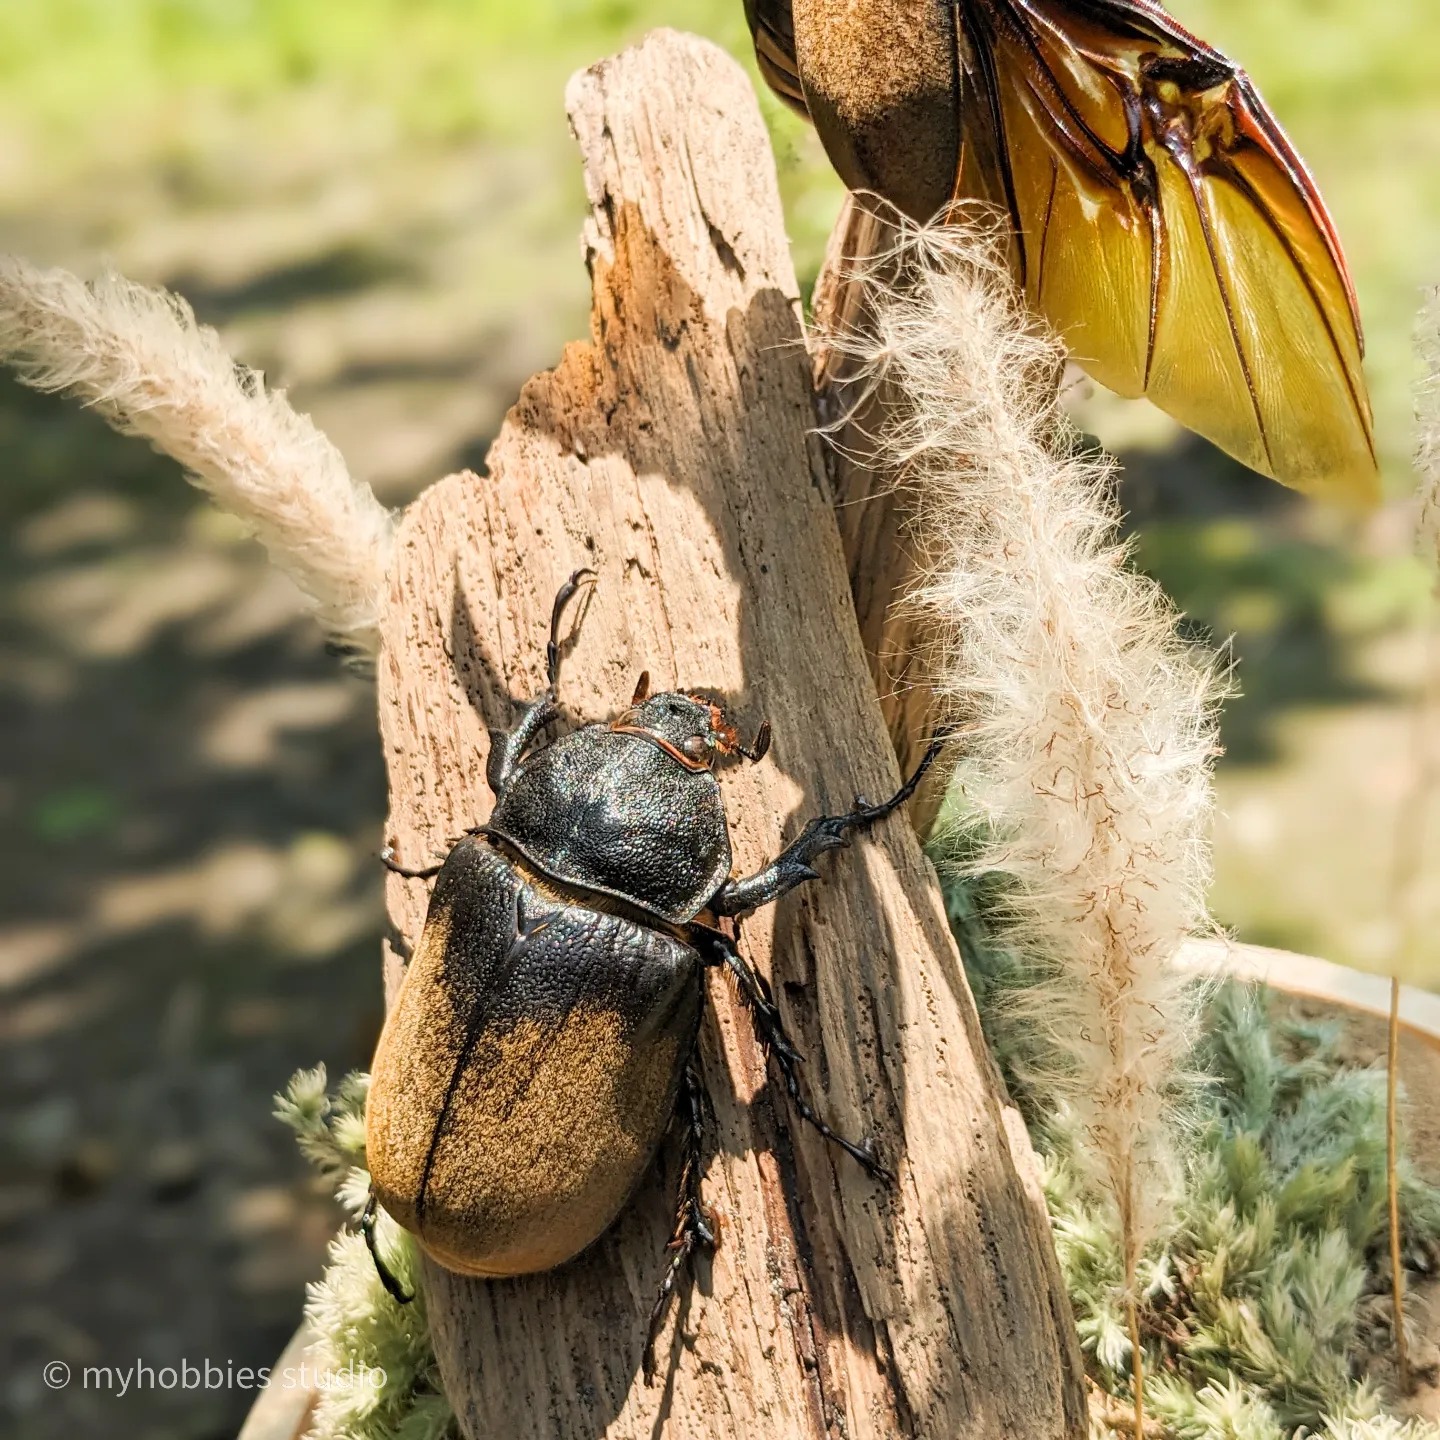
<point>1268,1288</point>
<point>359,1329</point>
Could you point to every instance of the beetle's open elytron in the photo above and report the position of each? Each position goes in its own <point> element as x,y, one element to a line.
<point>1157,215</point>
<point>545,1033</point>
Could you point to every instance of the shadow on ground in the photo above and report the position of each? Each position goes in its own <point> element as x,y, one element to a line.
<point>191,793</point>
<point>192,797</point>
<point>1259,572</point>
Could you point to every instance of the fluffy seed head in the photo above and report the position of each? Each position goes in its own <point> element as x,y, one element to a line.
<point>1086,723</point>
<point>138,357</point>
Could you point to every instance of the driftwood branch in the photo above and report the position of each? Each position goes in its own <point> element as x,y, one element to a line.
<point>674,453</point>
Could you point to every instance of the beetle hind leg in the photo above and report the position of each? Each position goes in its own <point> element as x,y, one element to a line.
<point>393,1287</point>
<point>755,991</point>
<point>694,1226</point>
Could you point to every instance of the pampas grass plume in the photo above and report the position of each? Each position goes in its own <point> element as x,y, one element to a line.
<point>1086,724</point>
<point>1427,426</point>
<point>139,358</point>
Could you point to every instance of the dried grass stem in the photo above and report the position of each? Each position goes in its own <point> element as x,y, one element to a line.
<point>1088,722</point>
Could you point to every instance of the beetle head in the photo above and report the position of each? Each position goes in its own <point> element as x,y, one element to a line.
<point>692,729</point>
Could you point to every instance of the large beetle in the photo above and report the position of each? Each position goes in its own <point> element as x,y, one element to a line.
<point>544,1036</point>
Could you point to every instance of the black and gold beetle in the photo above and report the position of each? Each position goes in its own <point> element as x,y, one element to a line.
<point>545,1034</point>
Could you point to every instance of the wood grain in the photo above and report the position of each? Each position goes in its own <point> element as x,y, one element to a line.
<point>673,452</point>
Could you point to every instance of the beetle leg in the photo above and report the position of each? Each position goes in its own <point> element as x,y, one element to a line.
<point>421,872</point>
<point>826,832</point>
<point>387,1278</point>
<point>563,597</point>
<point>507,746</point>
<point>756,992</point>
<point>693,1224</point>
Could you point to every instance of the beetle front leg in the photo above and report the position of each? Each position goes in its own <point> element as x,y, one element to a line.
<point>507,746</point>
<point>755,991</point>
<point>694,1227</point>
<point>826,832</point>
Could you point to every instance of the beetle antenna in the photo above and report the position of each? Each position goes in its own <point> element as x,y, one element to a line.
<point>759,745</point>
<point>642,688</point>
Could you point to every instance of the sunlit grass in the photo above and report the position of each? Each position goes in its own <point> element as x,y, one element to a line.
<point>90,85</point>
<point>77,67</point>
<point>1354,85</point>
<point>205,92</point>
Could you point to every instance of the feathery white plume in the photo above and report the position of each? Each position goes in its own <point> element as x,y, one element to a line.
<point>1086,724</point>
<point>1427,428</point>
<point>139,358</point>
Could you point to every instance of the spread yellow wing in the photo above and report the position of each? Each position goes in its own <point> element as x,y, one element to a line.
<point>1161,220</point>
<point>1167,228</point>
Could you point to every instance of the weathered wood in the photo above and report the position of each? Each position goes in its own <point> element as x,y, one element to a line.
<point>674,454</point>
<point>285,1408</point>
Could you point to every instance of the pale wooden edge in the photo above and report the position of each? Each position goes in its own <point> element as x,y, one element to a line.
<point>1315,979</point>
<point>283,1412</point>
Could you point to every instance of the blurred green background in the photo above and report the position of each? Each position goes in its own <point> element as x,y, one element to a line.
<point>377,202</point>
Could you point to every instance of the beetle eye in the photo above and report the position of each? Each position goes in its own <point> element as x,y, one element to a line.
<point>696,748</point>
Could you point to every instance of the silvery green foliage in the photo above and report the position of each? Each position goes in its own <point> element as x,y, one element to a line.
<point>1380,1427</point>
<point>1272,1280</point>
<point>330,1130</point>
<point>359,1329</point>
<point>1255,1303</point>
